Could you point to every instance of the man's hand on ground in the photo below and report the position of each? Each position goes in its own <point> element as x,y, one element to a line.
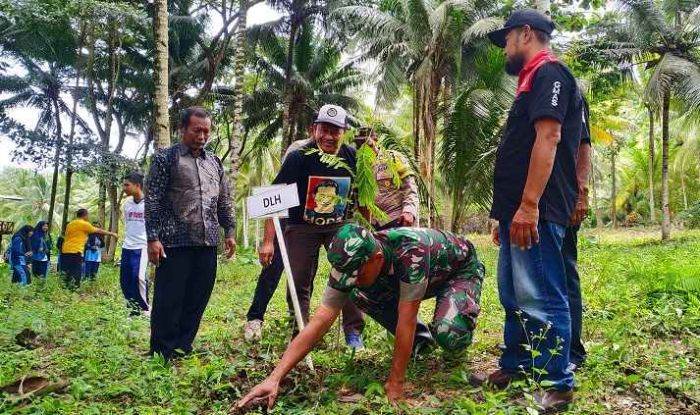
<point>265,253</point>
<point>230,247</point>
<point>266,390</point>
<point>394,391</point>
<point>523,228</point>
<point>155,252</point>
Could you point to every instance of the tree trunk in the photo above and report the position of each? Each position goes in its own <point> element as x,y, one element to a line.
<point>102,203</point>
<point>416,124</point>
<point>613,195</point>
<point>652,204</point>
<point>684,190</point>
<point>286,93</point>
<point>111,243</point>
<point>246,243</point>
<point>430,95</point>
<point>66,198</point>
<point>666,214</point>
<point>54,178</point>
<point>161,121</point>
<point>71,134</point>
<point>235,138</point>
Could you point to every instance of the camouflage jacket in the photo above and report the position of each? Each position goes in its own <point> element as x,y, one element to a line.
<point>418,261</point>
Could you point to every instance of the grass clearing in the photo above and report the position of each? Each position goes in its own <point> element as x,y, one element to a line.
<point>641,327</point>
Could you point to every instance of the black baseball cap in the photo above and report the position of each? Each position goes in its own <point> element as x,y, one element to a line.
<point>520,18</point>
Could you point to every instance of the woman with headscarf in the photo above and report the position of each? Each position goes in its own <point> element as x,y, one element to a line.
<point>21,250</point>
<point>93,253</point>
<point>40,250</point>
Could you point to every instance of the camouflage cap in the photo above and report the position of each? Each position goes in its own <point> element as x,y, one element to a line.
<point>349,249</point>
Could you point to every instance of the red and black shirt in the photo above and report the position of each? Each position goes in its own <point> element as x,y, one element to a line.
<point>552,93</point>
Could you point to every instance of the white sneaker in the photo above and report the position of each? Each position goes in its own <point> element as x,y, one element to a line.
<point>253,331</point>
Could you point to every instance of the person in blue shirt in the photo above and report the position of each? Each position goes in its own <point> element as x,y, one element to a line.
<point>41,250</point>
<point>20,251</point>
<point>93,254</point>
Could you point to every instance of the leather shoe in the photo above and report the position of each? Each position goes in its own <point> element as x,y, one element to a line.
<point>498,379</point>
<point>549,402</point>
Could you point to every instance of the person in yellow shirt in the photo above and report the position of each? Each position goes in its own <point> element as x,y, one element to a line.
<point>72,250</point>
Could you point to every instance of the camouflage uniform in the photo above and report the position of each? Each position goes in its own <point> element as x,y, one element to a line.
<point>419,264</point>
<point>398,192</point>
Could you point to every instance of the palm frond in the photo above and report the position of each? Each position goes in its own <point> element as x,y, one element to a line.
<point>481,28</point>
<point>418,20</point>
<point>647,20</point>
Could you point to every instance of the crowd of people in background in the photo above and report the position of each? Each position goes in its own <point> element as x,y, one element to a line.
<point>80,248</point>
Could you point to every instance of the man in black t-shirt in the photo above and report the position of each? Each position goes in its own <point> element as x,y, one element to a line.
<point>324,193</point>
<point>535,191</point>
<point>577,353</point>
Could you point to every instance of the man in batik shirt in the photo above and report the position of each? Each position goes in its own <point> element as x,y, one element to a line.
<point>387,274</point>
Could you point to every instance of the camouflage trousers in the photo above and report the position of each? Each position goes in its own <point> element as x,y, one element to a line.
<point>456,310</point>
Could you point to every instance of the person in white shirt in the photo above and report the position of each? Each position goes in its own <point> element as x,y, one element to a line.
<point>134,261</point>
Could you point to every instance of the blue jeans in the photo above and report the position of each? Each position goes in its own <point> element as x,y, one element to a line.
<point>577,354</point>
<point>20,274</point>
<point>533,291</point>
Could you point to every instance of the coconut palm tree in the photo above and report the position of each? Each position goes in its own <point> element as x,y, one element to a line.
<point>467,151</point>
<point>296,15</point>
<point>34,192</point>
<point>664,37</point>
<point>40,89</point>
<point>418,43</point>
<point>318,78</point>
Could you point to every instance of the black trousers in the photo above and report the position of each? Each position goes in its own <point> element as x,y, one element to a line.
<point>183,284</point>
<point>72,269</point>
<point>304,242</point>
<point>268,281</point>
<point>577,354</point>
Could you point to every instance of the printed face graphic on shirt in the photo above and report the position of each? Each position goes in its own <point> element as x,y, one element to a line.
<point>326,199</point>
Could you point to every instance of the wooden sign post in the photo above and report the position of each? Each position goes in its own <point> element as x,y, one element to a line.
<point>274,202</point>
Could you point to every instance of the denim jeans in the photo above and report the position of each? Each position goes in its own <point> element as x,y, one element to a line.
<point>20,274</point>
<point>533,291</point>
<point>577,355</point>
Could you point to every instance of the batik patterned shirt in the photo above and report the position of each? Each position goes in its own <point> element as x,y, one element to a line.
<point>187,199</point>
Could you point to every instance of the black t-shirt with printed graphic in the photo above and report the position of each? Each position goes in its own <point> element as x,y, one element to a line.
<point>554,94</point>
<point>324,192</point>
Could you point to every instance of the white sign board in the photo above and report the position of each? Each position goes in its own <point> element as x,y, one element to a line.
<point>264,189</point>
<point>270,200</point>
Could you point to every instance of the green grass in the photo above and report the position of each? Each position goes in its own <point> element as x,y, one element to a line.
<point>642,330</point>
